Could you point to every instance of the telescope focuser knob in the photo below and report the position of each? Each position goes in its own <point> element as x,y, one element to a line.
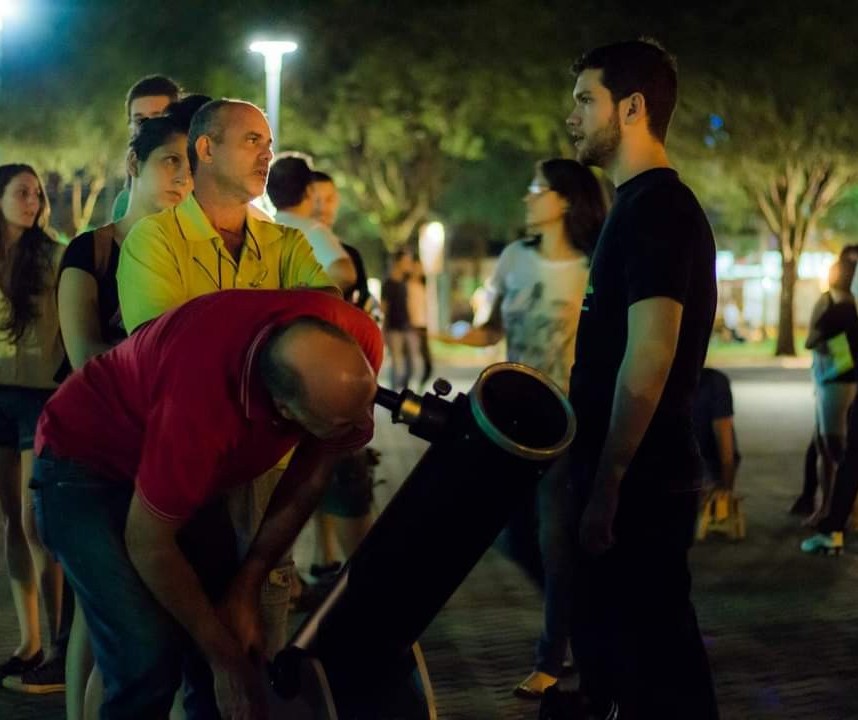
<point>442,387</point>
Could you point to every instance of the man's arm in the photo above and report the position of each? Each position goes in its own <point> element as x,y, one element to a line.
<point>653,335</point>
<point>152,548</point>
<point>342,272</point>
<point>297,494</point>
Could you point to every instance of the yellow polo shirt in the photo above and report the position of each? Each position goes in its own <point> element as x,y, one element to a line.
<point>176,255</point>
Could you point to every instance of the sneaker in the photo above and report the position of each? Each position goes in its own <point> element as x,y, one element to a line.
<point>49,677</point>
<point>824,543</point>
<point>16,665</point>
<point>534,685</point>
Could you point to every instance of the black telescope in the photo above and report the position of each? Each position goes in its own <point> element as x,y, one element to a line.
<point>488,450</point>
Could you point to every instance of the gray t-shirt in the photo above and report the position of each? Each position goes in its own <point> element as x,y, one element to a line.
<point>540,308</point>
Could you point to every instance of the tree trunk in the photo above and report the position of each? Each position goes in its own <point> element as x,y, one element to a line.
<point>786,336</point>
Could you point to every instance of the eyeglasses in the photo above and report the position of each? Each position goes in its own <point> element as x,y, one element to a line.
<point>536,188</point>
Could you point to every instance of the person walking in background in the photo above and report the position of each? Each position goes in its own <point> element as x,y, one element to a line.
<point>418,320</point>
<point>30,355</point>
<point>397,328</point>
<point>833,338</point>
<point>536,293</point>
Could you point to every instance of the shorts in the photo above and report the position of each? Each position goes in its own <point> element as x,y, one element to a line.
<point>833,400</point>
<point>350,492</point>
<point>20,408</point>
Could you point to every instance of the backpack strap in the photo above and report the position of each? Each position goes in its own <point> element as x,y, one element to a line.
<point>102,243</point>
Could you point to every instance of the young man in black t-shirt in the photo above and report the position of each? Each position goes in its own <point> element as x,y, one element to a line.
<point>642,340</point>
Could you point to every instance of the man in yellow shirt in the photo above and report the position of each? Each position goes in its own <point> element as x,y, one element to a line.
<point>215,240</point>
<point>212,241</point>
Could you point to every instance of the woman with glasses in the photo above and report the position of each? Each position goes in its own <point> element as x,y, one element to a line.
<point>157,164</point>
<point>536,293</point>
<point>30,353</point>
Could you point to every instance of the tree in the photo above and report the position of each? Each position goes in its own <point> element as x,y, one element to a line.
<point>779,129</point>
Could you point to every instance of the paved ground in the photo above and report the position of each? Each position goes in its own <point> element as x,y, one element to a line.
<point>782,629</point>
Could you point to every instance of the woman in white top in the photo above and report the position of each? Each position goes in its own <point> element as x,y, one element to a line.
<point>536,293</point>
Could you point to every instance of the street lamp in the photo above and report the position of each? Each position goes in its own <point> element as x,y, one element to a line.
<point>273,52</point>
<point>431,251</point>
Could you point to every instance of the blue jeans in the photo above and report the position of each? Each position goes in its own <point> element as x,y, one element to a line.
<point>538,539</point>
<point>139,647</point>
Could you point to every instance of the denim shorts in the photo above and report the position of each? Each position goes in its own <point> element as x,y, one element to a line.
<point>20,408</point>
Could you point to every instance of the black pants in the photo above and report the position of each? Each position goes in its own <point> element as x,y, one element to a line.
<point>845,487</point>
<point>634,629</point>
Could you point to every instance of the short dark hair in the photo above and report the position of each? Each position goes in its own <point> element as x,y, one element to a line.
<point>182,111</point>
<point>642,66</point>
<point>152,86</point>
<point>153,133</point>
<point>319,176</point>
<point>841,274</point>
<point>288,179</point>
<point>282,379</point>
<point>206,121</point>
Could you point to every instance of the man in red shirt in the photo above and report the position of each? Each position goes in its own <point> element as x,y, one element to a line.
<point>136,449</point>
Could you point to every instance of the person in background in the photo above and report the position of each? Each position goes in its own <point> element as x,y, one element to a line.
<point>30,354</point>
<point>833,338</point>
<point>147,98</point>
<point>536,294</point>
<point>290,189</point>
<point>397,327</point>
<point>714,429</point>
<point>418,320</point>
<point>90,322</point>
<point>805,503</point>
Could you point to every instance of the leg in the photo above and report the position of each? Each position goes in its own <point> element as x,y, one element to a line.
<point>664,667</point>
<point>398,371</point>
<point>79,666</point>
<point>21,573</point>
<point>426,353</point>
<point>555,542</point>
<point>47,569</point>
<point>845,488</point>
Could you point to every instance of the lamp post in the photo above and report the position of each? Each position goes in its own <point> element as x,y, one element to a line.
<point>431,251</point>
<point>273,52</point>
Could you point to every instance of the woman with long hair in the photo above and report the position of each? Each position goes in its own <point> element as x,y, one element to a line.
<point>157,164</point>
<point>30,353</point>
<point>537,290</point>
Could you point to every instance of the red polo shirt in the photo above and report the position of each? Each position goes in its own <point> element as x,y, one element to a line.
<point>178,407</point>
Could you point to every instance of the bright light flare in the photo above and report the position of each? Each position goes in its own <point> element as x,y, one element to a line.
<point>268,47</point>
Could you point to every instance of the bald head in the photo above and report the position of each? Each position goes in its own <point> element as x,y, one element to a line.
<point>319,377</point>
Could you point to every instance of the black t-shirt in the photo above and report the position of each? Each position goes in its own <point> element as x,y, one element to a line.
<point>712,401</point>
<point>395,294</point>
<point>656,242</point>
<point>841,317</point>
<point>80,254</point>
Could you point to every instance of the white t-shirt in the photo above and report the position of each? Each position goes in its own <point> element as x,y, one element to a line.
<point>326,247</point>
<point>541,307</point>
